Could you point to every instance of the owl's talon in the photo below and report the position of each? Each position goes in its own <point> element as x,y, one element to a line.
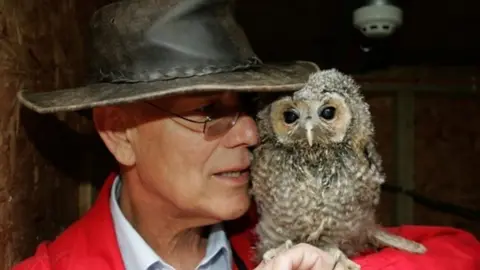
<point>271,253</point>
<point>340,259</point>
<point>288,244</point>
<point>336,259</point>
<point>351,265</point>
<point>347,264</point>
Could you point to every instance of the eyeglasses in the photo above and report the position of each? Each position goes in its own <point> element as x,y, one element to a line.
<point>213,126</point>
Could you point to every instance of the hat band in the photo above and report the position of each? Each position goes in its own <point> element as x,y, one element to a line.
<point>175,72</point>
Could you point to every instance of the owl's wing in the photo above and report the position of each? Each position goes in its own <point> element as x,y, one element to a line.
<point>375,162</point>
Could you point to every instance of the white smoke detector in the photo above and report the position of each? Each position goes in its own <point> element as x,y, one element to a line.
<point>378,19</point>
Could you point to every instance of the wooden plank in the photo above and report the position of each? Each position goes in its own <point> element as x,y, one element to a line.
<point>421,88</point>
<point>86,195</point>
<point>404,154</point>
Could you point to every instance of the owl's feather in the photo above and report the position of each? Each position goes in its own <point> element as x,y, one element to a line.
<point>322,190</point>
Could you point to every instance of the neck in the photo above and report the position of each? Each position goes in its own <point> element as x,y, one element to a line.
<point>179,241</point>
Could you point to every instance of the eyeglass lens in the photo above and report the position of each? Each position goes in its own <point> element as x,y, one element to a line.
<point>220,125</point>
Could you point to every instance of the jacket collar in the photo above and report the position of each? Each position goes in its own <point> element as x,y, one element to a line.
<point>138,255</point>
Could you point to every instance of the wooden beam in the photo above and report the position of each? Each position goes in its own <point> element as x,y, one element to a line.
<point>404,153</point>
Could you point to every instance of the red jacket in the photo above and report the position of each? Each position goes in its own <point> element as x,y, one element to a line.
<point>90,243</point>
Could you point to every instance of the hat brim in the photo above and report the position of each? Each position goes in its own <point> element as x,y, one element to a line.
<point>267,78</point>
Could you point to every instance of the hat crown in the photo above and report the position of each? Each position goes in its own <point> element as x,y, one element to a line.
<point>147,49</point>
<point>148,40</point>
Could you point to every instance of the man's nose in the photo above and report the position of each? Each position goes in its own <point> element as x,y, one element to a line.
<point>244,133</point>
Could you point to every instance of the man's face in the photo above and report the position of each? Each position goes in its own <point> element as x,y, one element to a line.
<point>177,164</point>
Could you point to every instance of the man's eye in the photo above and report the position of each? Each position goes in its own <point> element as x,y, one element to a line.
<point>207,109</point>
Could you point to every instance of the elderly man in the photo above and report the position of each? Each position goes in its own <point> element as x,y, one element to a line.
<point>170,103</point>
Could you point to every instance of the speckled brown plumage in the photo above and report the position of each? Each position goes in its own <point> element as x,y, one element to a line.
<point>316,175</point>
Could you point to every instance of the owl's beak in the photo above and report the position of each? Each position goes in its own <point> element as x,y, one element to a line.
<point>309,127</point>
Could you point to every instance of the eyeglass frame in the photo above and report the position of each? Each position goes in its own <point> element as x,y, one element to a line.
<point>205,122</point>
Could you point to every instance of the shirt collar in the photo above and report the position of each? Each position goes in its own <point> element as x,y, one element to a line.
<point>138,255</point>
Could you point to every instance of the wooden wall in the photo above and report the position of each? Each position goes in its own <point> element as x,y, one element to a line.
<point>435,151</point>
<point>41,165</point>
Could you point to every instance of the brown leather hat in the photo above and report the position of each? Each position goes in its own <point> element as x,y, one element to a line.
<point>145,49</point>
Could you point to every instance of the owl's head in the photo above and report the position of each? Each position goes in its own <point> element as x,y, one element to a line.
<point>328,110</point>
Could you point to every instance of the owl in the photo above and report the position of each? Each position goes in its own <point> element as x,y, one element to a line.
<point>316,174</point>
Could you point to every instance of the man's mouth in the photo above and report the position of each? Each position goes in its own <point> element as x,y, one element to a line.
<point>240,176</point>
<point>233,173</point>
<point>230,174</point>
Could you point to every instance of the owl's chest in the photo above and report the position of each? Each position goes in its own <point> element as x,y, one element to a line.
<point>310,183</point>
<point>316,173</point>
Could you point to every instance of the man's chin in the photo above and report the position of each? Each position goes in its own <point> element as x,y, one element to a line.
<point>236,211</point>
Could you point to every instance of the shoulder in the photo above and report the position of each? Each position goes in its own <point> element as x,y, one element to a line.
<point>77,248</point>
<point>88,243</point>
<point>54,254</point>
<point>447,248</point>
<point>39,261</point>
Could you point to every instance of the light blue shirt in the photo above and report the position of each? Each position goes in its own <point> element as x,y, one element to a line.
<point>137,254</point>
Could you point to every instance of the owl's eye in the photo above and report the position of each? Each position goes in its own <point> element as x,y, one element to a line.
<point>290,116</point>
<point>327,113</point>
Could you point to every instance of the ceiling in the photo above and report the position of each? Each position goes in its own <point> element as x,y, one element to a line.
<point>433,33</point>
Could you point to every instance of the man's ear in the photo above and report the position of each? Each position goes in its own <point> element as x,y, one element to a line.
<point>112,124</point>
